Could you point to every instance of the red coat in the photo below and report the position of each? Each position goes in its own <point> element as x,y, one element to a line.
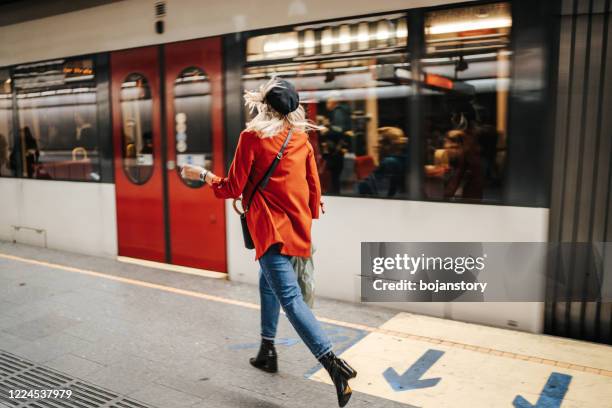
<point>283,212</point>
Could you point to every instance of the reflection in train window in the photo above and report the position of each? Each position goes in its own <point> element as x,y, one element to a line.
<point>353,78</point>
<point>137,128</point>
<point>7,156</point>
<point>465,94</point>
<point>192,121</point>
<point>57,119</point>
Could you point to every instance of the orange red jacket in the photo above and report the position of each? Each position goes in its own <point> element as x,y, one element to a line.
<point>283,212</point>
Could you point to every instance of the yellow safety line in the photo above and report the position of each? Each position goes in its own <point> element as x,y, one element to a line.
<point>370,329</point>
<point>134,282</point>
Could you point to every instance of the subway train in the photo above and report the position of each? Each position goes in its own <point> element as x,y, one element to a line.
<point>441,123</point>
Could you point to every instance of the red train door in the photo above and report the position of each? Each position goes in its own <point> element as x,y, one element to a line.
<point>136,113</point>
<point>160,216</point>
<point>194,117</point>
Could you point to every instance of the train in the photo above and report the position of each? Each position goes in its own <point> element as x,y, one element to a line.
<point>439,121</point>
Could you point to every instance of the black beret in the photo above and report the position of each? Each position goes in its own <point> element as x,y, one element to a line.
<point>283,97</point>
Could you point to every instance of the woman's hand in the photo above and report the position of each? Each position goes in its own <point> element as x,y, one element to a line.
<point>191,172</point>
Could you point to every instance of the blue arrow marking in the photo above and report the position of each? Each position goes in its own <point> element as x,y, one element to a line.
<point>552,395</point>
<point>411,379</point>
<point>279,342</point>
<point>286,342</point>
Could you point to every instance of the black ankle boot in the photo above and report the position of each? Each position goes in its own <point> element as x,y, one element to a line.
<point>340,372</point>
<point>266,359</point>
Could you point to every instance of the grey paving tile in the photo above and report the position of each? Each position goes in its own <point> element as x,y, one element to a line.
<point>161,396</point>
<point>10,343</point>
<point>77,296</point>
<point>47,348</point>
<point>9,321</point>
<point>15,293</point>
<point>203,377</point>
<point>74,365</point>
<point>38,308</point>
<point>214,377</point>
<point>157,345</point>
<point>193,386</point>
<point>237,398</point>
<point>178,349</point>
<point>38,281</point>
<point>126,376</point>
<point>7,308</point>
<point>41,327</point>
<point>91,305</point>
<point>8,271</point>
<point>102,353</point>
<point>98,329</point>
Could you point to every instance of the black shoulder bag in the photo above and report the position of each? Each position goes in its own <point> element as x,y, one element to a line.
<point>261,185</point>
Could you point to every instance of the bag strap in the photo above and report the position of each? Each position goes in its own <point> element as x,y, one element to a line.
<point>263,182</point>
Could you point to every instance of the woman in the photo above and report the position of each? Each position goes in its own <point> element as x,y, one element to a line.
<point>388,178</point>
<point>4,156</point>
<point>31,151</point>
<point>279,218</point>
<point>465,179</point>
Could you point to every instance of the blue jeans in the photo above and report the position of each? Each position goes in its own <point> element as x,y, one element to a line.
<point>278,287</point>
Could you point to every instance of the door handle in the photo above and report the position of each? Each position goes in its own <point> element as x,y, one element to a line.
<point>170,165</point>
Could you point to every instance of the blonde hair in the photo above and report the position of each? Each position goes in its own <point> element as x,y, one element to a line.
<point>267,122</point>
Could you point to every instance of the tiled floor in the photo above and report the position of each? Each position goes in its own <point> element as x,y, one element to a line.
<point>167,348</point>
<point>177,340</point>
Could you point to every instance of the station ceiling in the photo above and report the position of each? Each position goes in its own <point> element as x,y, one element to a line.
<point>18,11</point>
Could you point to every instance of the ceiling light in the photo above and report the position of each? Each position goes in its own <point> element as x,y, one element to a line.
<point>382,33</point>
<point>470,25</point>
<point>402,30</point>
<point>285,45</point>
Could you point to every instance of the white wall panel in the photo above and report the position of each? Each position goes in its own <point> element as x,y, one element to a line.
<point>77,217</point>
<point>129,23</point>
<point>348,222</point>
<point>10,202</point>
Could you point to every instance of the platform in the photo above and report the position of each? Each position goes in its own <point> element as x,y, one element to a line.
<point>140,336</point>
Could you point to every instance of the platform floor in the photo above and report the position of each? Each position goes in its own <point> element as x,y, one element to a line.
<point>140,336</point>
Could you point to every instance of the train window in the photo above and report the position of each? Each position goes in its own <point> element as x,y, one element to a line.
<point>192,120</point>
<point>465,93</point>
<point>57,119</point>
<point>7,155</point>
<point>137,128</point>
<point>353,78</point>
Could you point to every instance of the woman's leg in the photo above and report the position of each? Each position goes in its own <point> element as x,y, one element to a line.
<point>266,358</point>
<point>270,309</point>
<point>279,274</point>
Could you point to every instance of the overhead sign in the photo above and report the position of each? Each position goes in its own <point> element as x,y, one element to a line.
<point>51,74</point>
